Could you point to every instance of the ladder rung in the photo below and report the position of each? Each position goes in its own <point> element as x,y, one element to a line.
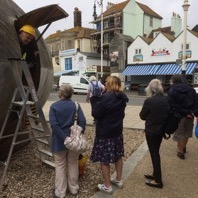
<point>3,163</point>
<point>22,141</point>
<point>21,103</point>
<point>33,116</point>
<point>38,129</point>
<point>11,135</point>
<point>49,163</point>
<point>16,111</point>
<point>18,103</point>
<point>45,152</point>
<point>41,140</point>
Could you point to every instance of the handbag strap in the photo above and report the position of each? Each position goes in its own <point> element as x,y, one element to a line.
<point>76,114</point>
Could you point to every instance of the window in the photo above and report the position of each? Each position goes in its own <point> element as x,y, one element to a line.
<point>151,21</point>
<point>187,46</point>
<point>117,20</point>
<point>78,44</point>
<point>111,22</point>
<point>106,51</point>
<point>106,37</point>
<point>98,26</point>
<point>62,45</point>
<point>83,81</point>
<point>68,63</point>
<point>106,24</point>
<point>80,59</point>
<point>138,51</point>
<point>70,44</point>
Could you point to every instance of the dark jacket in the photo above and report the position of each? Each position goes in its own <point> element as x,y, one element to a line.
<point>155,112</point>
<point>183,99</point>
<point>61,117</point>
<point>109,113</point>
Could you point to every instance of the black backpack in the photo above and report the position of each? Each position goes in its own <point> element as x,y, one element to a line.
<point>96,89</point>
<point>171,124</point>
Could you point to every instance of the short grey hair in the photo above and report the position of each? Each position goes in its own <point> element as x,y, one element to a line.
<point>66,90</point>
<point>155,86</point>
<point>92,78</point>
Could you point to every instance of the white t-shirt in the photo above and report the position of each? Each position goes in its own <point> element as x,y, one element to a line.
<point>90,87</point>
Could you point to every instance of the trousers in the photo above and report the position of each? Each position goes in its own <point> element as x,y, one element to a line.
<point>66,172</point>
<point>154,142</point>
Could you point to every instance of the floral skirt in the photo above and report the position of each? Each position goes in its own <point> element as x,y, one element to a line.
<point>107,150</point>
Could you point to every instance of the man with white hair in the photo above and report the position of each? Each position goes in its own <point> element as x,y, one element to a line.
<point>94,84</point>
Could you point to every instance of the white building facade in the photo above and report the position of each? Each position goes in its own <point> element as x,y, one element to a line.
<point>84,62</point>
<point>161,58</point>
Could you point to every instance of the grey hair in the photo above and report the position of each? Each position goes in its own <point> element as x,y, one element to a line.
<point>92,78</point>
<point>66,90</point>
<point>155,86</point>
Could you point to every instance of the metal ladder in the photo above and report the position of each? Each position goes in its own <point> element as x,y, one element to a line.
<point>38,125</point>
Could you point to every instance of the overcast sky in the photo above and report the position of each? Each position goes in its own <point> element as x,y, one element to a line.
<point>164,8</point>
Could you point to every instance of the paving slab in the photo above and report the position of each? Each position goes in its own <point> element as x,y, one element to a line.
<point>179,176</point>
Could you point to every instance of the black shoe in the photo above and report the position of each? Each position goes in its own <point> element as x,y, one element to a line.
<point>181,155</point>
<point>156,185</point>
<point>147,176</point>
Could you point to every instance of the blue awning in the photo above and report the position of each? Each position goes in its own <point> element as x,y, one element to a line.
<point>158,69</point>
<point>170,69</point>
<point>140,70</point>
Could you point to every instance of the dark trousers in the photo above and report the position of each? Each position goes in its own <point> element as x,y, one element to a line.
<point>154,142</point>
<point>93,101</point>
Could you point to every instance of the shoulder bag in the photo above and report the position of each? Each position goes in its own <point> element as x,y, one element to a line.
<point>76,141</point>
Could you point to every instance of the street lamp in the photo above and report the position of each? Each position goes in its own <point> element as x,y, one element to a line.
<point>100,3</point>
<point>185,8</point>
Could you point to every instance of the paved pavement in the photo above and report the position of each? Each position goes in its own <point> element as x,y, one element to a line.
<point>180,177</point>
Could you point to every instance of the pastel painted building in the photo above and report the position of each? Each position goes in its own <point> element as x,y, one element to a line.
<point>161,57</point>
<point>128,18</point>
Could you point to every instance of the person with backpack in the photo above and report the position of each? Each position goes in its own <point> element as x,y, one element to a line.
<point>155,112</point>
<point>95,90</point>
<point>183,100</point>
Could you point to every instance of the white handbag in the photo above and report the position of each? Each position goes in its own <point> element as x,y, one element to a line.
<point>76,141</point>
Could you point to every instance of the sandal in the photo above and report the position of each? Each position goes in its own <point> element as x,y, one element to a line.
<point>180,155</point>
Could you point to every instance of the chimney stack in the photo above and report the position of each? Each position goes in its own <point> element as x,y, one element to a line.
<point>109,5</point>
<point>176,24</point>
<point>77,17</point>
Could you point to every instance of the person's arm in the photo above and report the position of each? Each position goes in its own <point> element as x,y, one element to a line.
<point>54,124</point>
<point>88,93</point>
<point>144,111</point>
<point>88,97</point>
<point>81,120</point>
<point>102,87</point>
<point>100,107</point>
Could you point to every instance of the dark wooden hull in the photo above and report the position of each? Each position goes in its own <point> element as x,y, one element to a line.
<point>9,48</point>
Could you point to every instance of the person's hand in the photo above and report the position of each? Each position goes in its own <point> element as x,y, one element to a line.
<point>189,116</point>
<point>87,99</point>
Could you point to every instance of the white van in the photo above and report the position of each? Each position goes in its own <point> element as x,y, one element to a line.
<point>79,83</point>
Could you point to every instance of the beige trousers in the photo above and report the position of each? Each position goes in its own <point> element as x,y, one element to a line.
<point>66,173</point>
